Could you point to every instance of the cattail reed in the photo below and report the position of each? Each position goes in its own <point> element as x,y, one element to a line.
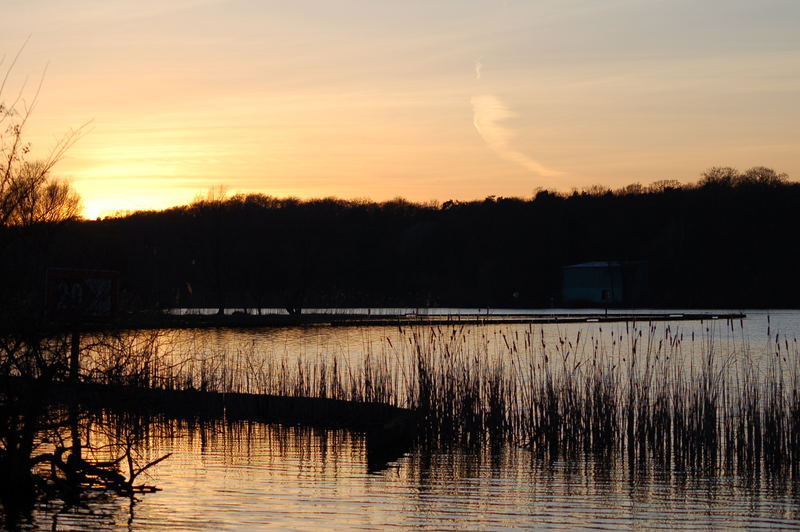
<point>640,390</point>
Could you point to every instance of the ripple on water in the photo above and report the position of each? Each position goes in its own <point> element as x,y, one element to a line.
<point>306,479</point>
<point>255,476</point>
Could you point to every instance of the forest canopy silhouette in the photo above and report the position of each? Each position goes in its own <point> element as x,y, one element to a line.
<point>724,241</point>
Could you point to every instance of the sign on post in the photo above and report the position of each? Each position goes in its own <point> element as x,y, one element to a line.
<point>76,295</point>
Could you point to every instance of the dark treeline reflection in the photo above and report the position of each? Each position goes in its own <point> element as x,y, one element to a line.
<point>722,242</point>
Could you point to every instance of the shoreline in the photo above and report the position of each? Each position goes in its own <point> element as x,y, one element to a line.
<point>196,321</point>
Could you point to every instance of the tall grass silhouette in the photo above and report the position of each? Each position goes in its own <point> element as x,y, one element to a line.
<point>641,389</point>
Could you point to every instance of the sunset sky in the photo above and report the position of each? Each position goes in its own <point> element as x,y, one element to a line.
<point>429,100</point>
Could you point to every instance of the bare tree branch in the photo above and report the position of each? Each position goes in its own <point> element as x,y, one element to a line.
<point>28,193</point>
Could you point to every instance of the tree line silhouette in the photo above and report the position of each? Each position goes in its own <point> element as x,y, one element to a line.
<point>725,241</point>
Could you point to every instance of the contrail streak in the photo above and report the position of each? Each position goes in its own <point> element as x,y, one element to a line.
<point>488,113</point>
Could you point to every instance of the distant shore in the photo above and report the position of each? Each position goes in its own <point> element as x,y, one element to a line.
<point>317,319</point>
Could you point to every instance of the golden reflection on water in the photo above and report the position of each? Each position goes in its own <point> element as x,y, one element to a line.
<point>755,335</point>
<point>244,476</point>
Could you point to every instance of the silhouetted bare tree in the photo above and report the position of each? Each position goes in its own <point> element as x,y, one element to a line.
<point>28,193</point>
<point>32,197</point>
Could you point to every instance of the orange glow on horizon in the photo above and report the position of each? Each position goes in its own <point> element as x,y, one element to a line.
<point>458,101</point>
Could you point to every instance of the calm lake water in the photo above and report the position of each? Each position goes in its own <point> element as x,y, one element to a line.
<point>255,476</point>
<point>244,477</point>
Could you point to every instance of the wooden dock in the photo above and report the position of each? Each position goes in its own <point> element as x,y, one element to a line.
<point>241,320</point>
<point>416,319</point>
<point>517,319</point>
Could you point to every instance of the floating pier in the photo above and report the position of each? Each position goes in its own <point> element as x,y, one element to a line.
<point>317,319</point>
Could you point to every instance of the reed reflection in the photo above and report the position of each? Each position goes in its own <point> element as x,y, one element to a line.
<point>237,474</point>
<point>502,421</point>
<point>700,398</point>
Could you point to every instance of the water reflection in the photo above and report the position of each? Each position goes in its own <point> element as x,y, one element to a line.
<point>244,476</point>
<point>240,476</point>
<point>756,334</point>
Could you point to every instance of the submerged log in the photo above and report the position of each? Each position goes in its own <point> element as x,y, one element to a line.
<point>320,412</point>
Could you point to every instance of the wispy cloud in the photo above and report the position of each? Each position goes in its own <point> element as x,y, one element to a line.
<point>488,114</point>
<point>478,68</point>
